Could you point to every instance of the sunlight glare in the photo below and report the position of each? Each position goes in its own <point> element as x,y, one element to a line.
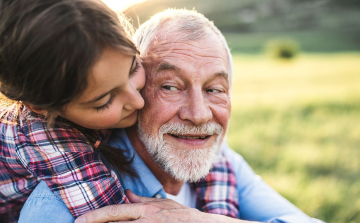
<point>121,5</point>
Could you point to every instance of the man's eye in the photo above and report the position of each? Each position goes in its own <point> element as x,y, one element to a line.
<point>170,88</point>
<point>213,90</point>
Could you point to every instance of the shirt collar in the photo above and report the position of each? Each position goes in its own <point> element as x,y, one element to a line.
<point>145,184</point>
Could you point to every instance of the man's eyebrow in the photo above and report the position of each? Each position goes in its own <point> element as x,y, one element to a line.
<point>166,66</point>
<point>97,98</point>
<point>223,74</point>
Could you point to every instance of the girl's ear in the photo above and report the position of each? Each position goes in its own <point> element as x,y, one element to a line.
<point>36,109</point>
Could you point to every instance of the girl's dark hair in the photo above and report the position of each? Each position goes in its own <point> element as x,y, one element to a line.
<point>47,48</point>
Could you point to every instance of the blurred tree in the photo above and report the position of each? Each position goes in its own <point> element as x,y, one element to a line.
<point>282,48</point>
<point>261,15</point>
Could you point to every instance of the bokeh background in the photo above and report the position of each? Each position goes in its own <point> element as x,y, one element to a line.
<point>296,95</point>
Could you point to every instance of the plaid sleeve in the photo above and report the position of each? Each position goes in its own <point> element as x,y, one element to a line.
<point>69,166</point>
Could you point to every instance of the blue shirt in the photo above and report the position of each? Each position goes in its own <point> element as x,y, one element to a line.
<point>257,201</point>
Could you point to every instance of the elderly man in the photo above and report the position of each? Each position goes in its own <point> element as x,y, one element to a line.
<point>179,138</point>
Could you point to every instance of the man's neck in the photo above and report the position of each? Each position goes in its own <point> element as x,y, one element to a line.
<point>170,185</point>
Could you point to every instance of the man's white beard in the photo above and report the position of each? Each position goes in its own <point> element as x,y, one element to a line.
<point>181,163</point>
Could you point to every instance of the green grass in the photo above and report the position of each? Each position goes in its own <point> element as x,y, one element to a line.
<point>297,124</point>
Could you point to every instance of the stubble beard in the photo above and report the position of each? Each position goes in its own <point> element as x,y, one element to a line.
<point>182,164</point>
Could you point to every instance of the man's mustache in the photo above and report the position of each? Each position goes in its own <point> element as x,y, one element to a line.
<point>210,128</point>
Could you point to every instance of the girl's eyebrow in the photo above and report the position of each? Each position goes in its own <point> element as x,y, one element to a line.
<point>97,98</point>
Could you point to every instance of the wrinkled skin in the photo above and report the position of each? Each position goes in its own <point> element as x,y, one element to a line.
<point>151,210</point>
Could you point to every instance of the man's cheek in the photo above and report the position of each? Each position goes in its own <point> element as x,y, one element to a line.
<point>222,115</point>
<point>222,101</point>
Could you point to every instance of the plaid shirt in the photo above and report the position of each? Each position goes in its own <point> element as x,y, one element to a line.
<point>217,193</point>
<point>68,165</point>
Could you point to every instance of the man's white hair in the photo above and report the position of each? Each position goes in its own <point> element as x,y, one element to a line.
<point>187,24</point>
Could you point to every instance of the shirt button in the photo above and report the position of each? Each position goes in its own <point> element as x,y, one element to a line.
<point>158,196</point>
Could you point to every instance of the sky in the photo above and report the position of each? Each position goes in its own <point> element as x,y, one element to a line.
<point>121,5</point>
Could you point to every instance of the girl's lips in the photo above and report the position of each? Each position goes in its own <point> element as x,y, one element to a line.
<point>132,114</point>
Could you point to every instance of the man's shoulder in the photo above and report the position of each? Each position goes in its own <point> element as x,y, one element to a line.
<point>118,138</point>
<point>243,172</point>
<point>232,156</point>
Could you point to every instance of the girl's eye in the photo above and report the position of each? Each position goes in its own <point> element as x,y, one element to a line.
<point>170,88</point>
<point>135,68</point>
<point>108,103</point>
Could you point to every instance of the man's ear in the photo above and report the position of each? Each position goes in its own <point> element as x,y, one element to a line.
<point>36,109</point>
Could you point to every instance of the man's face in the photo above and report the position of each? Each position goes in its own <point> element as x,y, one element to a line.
<point>187,104</point>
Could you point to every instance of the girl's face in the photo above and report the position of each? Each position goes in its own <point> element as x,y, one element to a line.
<point>112,98</point>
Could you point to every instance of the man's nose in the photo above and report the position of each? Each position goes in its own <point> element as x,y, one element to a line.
<point>196,108</point>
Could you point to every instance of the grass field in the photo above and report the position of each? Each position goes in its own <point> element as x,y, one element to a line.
<point>297,123</point>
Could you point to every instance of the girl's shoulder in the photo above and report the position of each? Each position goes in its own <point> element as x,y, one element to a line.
<point>18,122</point>
<point>17,114</point>
<point>33,125</point>
<point>35,132</point>
<point>9,113</point>
<point>9,120</point>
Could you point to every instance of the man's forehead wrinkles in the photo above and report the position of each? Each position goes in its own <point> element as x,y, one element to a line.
<point>196,44</point>
<point>186,46</point>
<point>176,57</point>
<point>204,57</point>
<point>174,53</point>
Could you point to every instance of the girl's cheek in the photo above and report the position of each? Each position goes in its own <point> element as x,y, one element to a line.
<point>114,115</point>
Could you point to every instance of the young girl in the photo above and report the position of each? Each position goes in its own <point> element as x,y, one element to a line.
<point>73,73</point>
